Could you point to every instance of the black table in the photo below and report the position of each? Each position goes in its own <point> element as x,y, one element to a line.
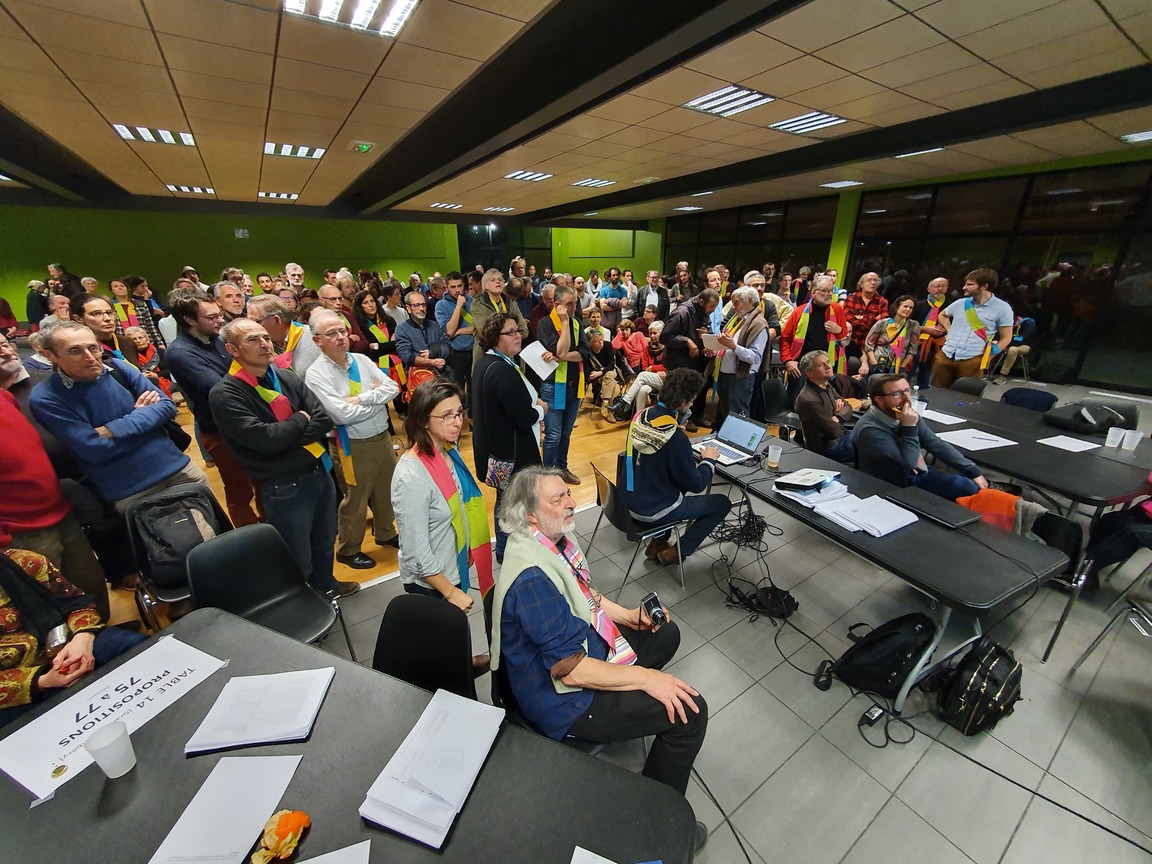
<point>969,571</point>
<point>533,802</point>
<point>1097,478</point>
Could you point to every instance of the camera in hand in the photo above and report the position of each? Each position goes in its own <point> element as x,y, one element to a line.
<point>654,610</point>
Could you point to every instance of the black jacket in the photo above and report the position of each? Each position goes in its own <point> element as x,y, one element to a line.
<point>681,327</point>
<point>549,338</point>
<point>503,414</point>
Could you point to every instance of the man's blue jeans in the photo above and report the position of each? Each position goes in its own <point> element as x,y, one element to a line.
<point>303,510</point>
<point>950,486</point>
<point>705,513</point>
<point>558,424</point>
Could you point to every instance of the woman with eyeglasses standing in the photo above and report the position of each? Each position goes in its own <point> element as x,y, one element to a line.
<point>96,313</point>
<point>506,411</point>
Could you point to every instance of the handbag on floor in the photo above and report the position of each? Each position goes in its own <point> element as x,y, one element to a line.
<point>881,659</point>
<point>982,689</point>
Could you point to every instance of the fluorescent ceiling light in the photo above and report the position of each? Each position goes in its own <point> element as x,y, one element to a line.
<point>773,213</point>
<point>919,196</point>
<point>185,189</point>
<point>700,194</point>
<point>166,136</point>
<point>294,150</point>
<point>593,213</point>
<point>595,183</point>
<point>530,176</point>
<point>757,223</point>
<point>330,10</point>
<point>841,184</point>
<point>441,206</point>
<point>874,212</point>
<point>187,138</point>
<point>728,101</point>
<point>362,17</point>
<point>1137,137</point>
<point>123,131</point>
<point>152,136</point>
<point>499,209</point>
<point>919,152</point>
<point>282,196</point>
<point>687,209</point>
<point>145,133</point>
<point>396,17</point>
<point>296,7</point>
<point>809,122</point>
<point>285,149</point>
<point>1071,190</point>
<point>193,190</point>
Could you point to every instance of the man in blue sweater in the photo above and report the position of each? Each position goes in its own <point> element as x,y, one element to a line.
<point>115,430</point>
<point>892,430</point>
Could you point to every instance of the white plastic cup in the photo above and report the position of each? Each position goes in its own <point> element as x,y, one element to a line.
<point>111,747</point>
<point>774,453</point>
<point>919,406</point>
<point>1131,439</point>
<point>1115,437</point>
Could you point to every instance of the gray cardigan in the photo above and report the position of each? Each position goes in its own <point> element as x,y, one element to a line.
<point>880,433</point>
<point>427,539</point>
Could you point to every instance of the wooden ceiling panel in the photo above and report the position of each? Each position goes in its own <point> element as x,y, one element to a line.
<point>207,114</point>
<point>404,94</point>
<point>288,127</point>
<point>316,42</point>
<point>131,14</point>
<point>190,55</point>
<point>743,57</point>
<point>400,118</point>
<point>318,104</point>
<point>213,21</point>
<point>69,31</point>
<point>323,80</point>
<point>931,89</point>
<point>89,67</point>
<point>454,28</point>
<point>629,109</point>
<point>52,85</point>
<point>1007,149</point>
<point>679,86</point>
<point>22,53</point>
<point>868,106</point>
<point>1122,56</point>
<point>791,78</point>
<point>217,89</point>
<point>836,92</point>
<point>821,23</point>
<point>1066,18</point>
<point>924,64</point>
<point>426,66</point>
<point>892,40</point>
<point>980,95</point>
<point>121,102</point>
<point>521,10</point>
<point>955,18</point>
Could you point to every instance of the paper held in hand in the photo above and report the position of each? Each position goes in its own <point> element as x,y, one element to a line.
<point>533,355</point>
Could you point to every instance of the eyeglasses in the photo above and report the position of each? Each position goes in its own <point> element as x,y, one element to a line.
<point>219,316</point>
<point>450,416</point>
<point>898,393</point>
<point>515,332</point>
<point>415,305</point>
<point>107,313</point>
<point>332,334</point>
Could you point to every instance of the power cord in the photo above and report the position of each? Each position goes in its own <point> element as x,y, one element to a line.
<point>727,821</point>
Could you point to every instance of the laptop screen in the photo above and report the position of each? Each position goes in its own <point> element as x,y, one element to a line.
<point>741,432</point>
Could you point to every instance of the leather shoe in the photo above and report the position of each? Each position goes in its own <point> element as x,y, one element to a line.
<point>394,542</point>
<point>359,561</point>
<point>703,424</point>
<point>671,555</point>
<point>570,478</point>
<point>701,837</point>
<point>654,549</point>
<point>481,664</point>
<point>345,589</point>
<point>690,427</point>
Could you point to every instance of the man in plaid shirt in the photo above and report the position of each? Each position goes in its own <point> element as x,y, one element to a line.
<point>864,307</point>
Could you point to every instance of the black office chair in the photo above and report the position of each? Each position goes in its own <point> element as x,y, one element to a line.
<point>1129,412</point>
<point>778,407</point>
<point>881,467</point>
<point>251,572</point>
<point>427,642</point>
<point>1026,397</point>
<point>612,506</point>
<point>971,386</point>
<point>149,594</point>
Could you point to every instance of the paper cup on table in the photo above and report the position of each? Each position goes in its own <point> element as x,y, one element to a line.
<point>774,453</point>
<point>1115,437</point>
<point>919,406</point>
<point>111,747</point>
<point>1131,439</point>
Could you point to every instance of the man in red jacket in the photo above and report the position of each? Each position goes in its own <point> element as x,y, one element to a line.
<point>818,325</point>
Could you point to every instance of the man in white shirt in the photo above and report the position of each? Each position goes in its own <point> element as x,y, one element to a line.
<point>355,393</point>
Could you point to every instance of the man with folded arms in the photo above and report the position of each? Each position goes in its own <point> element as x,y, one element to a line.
<point>576,662</point>
<point>276,427</point>
<point>355,393</point>
<point>823,411</point>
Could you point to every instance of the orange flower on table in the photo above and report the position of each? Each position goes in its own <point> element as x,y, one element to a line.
<point>281,834</point>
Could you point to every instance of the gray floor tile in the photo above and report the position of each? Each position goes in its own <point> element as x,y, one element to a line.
<point>665,579</point>
<point>723,849</point>
<point>992,753</point>
<point>363,639</point>
<point>370,602</point>
<point>888,766</point>
<point>714,675</point>
<point>790,528</point>
<point>795,688</point>
<point>703,806</point>
<point>969,805</point>
<point>1064,794</point>
<point>751,645</point>
<point>690,640</point>
<point>819,546</point>
<point>816,806</point>
<point>875,609</point>
<point>609,541</point>
<point>865,571</point>
<point>706,613</point>
<point>899,836</point>
<point>735,760</point>
<point>826,595</point>
<point>1040,719</point>
<point>1049,834</point>
<point>790,565</point>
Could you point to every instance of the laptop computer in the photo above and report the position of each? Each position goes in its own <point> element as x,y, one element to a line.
<point>941,510</point>
<point>739,438</point>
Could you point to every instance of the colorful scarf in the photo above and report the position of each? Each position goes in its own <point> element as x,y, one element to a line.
<point>560,399</point>
<point>295,332</point>
<point>620,651</point>
<point>278,402</point>
<point>834,353</point>
<point>730,328</point>
<point>114,348</point>
<point>646,435</point>
<point>387,362</point>
<point>469,516</point>
<point>342,437</point>
<point>897,340</point>
<point>933,316</point>
<point>981,332</point>
<point>125,317</point>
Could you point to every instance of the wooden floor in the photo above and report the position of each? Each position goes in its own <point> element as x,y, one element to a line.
<point>594,440</point>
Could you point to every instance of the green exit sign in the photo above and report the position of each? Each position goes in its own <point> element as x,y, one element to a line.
<point>362,146</point>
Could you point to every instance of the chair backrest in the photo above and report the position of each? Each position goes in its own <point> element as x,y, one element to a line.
<point>776,399</point>
<point>613,505</point>
<point>1127,410</point>
<point>427,642</point>
<point>133,515</point>
<point>243,571</point>
<point>1027,397</point>
<point>1061,533</point>
<point>881,467</point>
<point>971,386</point>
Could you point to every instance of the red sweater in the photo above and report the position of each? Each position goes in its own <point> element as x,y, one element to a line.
<point>30,496</point>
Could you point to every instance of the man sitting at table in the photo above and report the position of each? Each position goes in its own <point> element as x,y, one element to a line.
<point>892,430</point>
<point>823,412</point>
<point>52,635</point>
<point>577,663</point>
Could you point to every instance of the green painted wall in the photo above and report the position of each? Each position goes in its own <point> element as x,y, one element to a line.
<point>578,250</point>
<point>108,244</point>
<point>847,211</point>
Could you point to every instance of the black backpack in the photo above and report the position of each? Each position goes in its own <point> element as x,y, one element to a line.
<point>169,525</point>
<point>984,687</point>
<point>881,659</point>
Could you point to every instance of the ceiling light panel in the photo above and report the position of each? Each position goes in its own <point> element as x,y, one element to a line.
<point>192,190</point>
<point>294,150</point>
<point>1137,137</point>
<point>279,196</point>
<point>442,206</point>
<point>919,152</point>
<point>499,209</point>
<point>809,122</point>
<point>841,184</point>
<point>153,136</point>
<point>687,209</point>
<point>728,101</point>
<point>595,184</point>
<point>530,176</point>
<point>386,19</point>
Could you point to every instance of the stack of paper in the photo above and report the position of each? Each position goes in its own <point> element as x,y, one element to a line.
<point>260,709</point>
<point>874,515</point>
<point>812,497</point>
<point>424,785</point>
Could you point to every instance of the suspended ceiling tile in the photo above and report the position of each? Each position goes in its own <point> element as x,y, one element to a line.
<point>307,130</point>
<point>314,41</point>
<point>425,66</point>
<point>791,78</point>
<point>676,120</point>
<point>190,55</point>
<point>903,115</point>
<point>1122,57</point>
<point>521,10</point>
<point>722,129</point>
<point>397,118</point>
<point>931,89</point>
<point>1121,9</point>
<point>1071,139</point>
<point>208,20</point>
<point>458,29</point>
<point>757,138</point>
<point>89,67</point>
<point>1055,22</point>
<point>127,102</point>
<point>286,175</point>
<point>207,113</point>
<point>65,30</point>
<point>300,102</point>
<point>324,80</point>
<point>921,65</point>
<point>586,126</point>
<point>980,95</point>
<point>955,18</point>
<point>404,94</point>
<point>837,92</point>
<point>568,162</point>
<point>743,57</point>
<point>604,149</point>
<point>23,53</point>
<point>636,136</point>
<point>1139,27</point>
<point>678,86</point>
<point>1125,122</point>
<point>1069,51</point>
<point>671,160</point>
<point>628,109</point>
<point>131,14</point>
<point>231,143</point>
<point>1007,149</point>
<point>868,106</point>
<point>897,38</point>
<point>838,130</point>
<point>640,155</point>
<point>215,88</point>
<point>774,112</point>
<point>816,25</point>
<point>53,85</point>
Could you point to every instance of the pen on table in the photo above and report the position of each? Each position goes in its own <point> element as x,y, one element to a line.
<point>984,438</point>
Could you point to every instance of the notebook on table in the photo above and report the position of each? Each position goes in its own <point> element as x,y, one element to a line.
<point>933,507</point>
<point>739,438</point>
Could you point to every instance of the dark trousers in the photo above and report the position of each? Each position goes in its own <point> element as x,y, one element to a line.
<point>303,510</point>
<point>1117,536</point>
<point>950,486</point>
<point>624,716</point>
<point>460,362</point>
<point>734,397</point>
<point>705,511</point>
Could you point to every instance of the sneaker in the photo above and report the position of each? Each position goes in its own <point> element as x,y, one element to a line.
<point>345,589</point>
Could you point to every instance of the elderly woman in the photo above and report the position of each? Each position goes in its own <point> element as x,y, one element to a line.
<point>745,336</point>
<point>892,344</point>
<point>493,300</point>
<point>506,412</point>
<point>660,468</point>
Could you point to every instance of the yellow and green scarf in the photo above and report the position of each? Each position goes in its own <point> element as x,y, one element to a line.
<point>469,516</point>
<point>834,353</point>
<point>561,394</point>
